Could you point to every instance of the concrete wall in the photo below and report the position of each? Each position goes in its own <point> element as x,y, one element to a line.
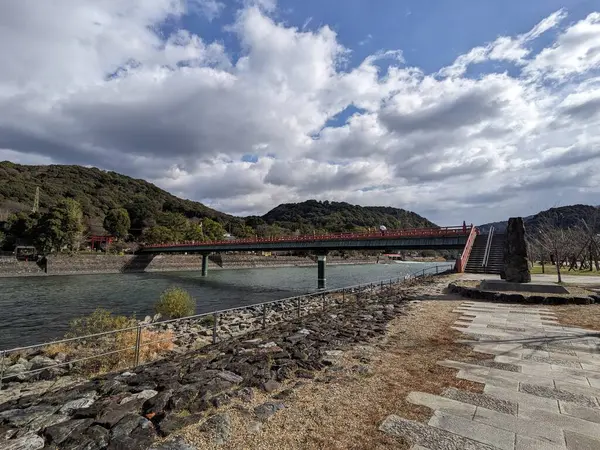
<point>101,263</point>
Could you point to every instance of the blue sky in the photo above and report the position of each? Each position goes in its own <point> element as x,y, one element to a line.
<point>431,33</point>
<point>492,110</point>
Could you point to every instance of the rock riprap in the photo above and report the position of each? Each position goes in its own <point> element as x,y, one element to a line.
<point>130,410</point>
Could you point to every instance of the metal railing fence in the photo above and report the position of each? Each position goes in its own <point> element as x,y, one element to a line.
<point>205,325</point>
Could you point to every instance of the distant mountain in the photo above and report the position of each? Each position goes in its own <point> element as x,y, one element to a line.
<point>97,191</point>
<point>340,216</point>
<point>564,216</point>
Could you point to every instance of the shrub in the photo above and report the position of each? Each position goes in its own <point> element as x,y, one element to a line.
<point>99,321</point>
<point>175,303</point>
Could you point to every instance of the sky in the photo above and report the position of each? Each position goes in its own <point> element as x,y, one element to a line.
<point>465,110</point>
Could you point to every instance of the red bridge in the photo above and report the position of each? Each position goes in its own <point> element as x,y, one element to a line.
<point>442,238</point>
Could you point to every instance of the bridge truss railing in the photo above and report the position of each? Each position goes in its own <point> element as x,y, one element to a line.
<point>146,342</point>
<point>411,232</point>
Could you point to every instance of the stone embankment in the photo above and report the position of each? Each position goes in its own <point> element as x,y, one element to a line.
<point>104,264</point>
<point>134,408</point>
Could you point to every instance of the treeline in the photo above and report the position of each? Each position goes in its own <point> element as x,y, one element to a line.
<point>62,228</point>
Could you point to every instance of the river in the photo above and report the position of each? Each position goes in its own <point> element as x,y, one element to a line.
<point>38,309</point>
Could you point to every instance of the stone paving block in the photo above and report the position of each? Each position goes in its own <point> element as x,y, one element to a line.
<point>428,437</point>
<point>519,425</point>
<point>560,421</point>
<point>480,432</point>
<point>581,412</point>
<point>522,399</point>
<point>576,388</point>
<point>594,381</point>
<point>482,400</point>
<point>502,382</point>
<point>576,441</point>
<point>590,366</point>
<point>443,404</point>
<point>554,360</point>
<point>527,443</point>
<point>558,394</point>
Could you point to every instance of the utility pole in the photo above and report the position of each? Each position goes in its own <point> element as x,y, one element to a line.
<point>36,201</point>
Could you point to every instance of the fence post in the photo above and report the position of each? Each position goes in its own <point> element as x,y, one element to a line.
<point>138,341</point>
<point>264,317</point>
<point>2,356</point>
<point>215,323</point>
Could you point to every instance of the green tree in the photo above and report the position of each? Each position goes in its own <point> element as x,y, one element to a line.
<point>158,235</point>
<point>21,226</point>
<point>61,228</point>
<point>177,223</point>
<point>142,212</point>
<point>117,222</point>
<point>213,230</point>
<point>194,232</point>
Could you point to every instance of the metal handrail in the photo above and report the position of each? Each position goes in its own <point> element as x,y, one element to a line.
<point>409,232</point>
<point>215,314</point>
<point>488,246</point>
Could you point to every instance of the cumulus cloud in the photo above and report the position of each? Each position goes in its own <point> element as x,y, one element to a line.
<point>101,83</point>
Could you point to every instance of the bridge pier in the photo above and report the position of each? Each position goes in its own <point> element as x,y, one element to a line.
<point>321,261</point>
<point>204,265</point>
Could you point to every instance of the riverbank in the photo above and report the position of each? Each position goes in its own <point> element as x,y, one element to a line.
<point>132,409</point>
<point>111,264</point>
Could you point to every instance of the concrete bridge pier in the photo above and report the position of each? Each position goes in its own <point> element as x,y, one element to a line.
<point>204,265</point>
<point>321,261</point>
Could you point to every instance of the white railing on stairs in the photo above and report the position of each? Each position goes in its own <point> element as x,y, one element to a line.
<point>488,247</point>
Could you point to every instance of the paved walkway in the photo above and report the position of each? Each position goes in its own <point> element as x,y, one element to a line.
<point>542,388</point>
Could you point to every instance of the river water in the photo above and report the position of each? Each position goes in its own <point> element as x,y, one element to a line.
<point>38,309</point>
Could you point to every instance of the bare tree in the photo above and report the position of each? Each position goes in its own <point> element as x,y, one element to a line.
<point>558,242</point>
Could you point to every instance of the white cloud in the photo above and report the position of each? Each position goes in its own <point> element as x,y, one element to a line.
<point>211,9</point>
<point>95,83</point>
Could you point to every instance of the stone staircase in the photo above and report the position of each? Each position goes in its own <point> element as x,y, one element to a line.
<point>496,257</point>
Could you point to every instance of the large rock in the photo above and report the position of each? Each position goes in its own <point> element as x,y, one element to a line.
<point>60,432</point>
<point>516,266</point>
<point>23,417</point>
<point>40,362</point>
<point>71,406</point>
<point>175,444</point>
<point>266,410</point>
<point>28,442</point>
<point>219,428</point>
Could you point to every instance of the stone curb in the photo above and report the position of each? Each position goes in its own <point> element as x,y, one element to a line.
<point>502,297</point>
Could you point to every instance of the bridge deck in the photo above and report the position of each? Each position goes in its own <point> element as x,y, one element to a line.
<point>414,238</point>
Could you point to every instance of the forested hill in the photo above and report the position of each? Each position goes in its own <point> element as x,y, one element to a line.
<point>340,216</point>
<point>152,209</point>
<point>563,216</point>
<point>96,190</point>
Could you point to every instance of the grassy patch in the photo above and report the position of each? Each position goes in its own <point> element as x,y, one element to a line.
<point>551,270</point>
<point>584,316</point>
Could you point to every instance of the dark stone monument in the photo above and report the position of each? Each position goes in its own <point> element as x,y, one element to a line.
<point>516,266</point>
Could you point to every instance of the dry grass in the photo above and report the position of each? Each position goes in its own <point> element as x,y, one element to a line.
<point>343,409</point>
<point>584,316</point>
<point>153,345</point>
